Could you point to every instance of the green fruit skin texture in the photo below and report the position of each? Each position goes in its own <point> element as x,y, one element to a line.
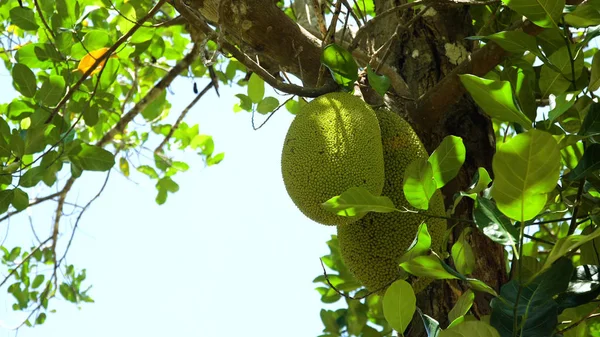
<point>372,246</point>
<point>334,143</point>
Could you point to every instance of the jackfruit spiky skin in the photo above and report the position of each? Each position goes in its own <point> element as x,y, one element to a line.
<point>372,246</point>
<point>334,143</point>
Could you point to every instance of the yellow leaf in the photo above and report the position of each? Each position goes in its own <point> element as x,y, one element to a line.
<point>88,61</point>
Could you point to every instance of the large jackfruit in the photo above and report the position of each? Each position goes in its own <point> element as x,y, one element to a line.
<point>372,246</point>
<point>334,143</point>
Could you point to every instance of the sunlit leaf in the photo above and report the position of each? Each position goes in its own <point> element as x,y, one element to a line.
<point>420,245</point>
<point>24,80</point>
<point>544,13</point>
<point>447,160</point>
<point>93,158</point>
<point>495,98</point>
<point>341,64</point>
<point>256,88</point>
<point>526,169</point>
<point>380,83</point>
<point>399,305</point>
<point>357,201</point>
<point>462,254</point>
<point>419,184</point>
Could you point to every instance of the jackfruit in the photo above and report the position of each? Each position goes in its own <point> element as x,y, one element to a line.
<point>334,143</point>
<point>372,246</point>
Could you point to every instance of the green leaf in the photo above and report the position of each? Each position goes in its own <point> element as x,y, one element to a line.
<point>40,319</point>
<point>588,164</point>
<point>24,80</point>
<point>470,328</point>
<point>526,169</point>
<point>420,245</point>
<point>156,107</point>
<point>462,254</point>
<point>380,83</point>
<point>93,158</point>
<point>432,327</point>
<point>294,106</point>
<point>567,244</point>
<point>447,160</point>
<point>51,91</point>
<point>427,266</point>
<point>149,171</point>
<point>516,42</point>
<point>584,287</point>
<point>590,251</point>
<point>96,39</point>
<point>595,73</point>
<point>419,184</point>
<point>341,64</point>
<point>127,18</point>
<point>214,160</point>
<point>256,88</point>
<point>591,122</point>
<point>495,98</point>
<point>552,82</point>
<point>6,197</point>
<point>267,105</point>
<point>24,18</point>
<point>245,102</point>
<point>20,199</point>
<point>462,306</point>
<point>32,177</point>
<point>481,286</point>
<point>537,311</point>
<point>493,223</point>
<point>399,305</point>
<point>142,35</point>
<point>37,281</point>
<point>124,166</point>
<point>357,201</point>
<point>18,109</point>
<point>544,13</point>
<point>563,102</point>
<point>583,16</point>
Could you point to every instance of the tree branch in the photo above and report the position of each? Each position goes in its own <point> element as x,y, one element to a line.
<point>105,56</point>
<point>159,148</point>
<point>150,96</point>
<point>14,270</point>
<point>434,103</point>
<point>196,20</point>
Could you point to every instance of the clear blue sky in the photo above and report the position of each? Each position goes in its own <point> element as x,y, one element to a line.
<point>229,254</point>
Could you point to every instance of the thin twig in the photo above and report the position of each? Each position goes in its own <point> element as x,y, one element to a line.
<point>14,270</point>
<point>533,238</point>
<point>369,25</point>
<point>573,225</point>
<point>150,96</point>
<point>43,19</point>
<point>198,22</point>
<point>81,214</point>
<point>35,201</point>
<point>320,18</point>
<point>159,148</point>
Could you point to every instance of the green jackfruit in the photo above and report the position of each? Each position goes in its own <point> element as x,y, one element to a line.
<point>334,143</point>
<point>372,246</point>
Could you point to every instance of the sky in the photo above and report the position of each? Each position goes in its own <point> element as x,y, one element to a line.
<point>229,254</point>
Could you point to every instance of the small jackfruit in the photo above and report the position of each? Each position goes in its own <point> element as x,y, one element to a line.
<point>372,246</point>
<point>334,143</point>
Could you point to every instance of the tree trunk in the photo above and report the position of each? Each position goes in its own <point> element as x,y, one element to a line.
<point>423,55</point>
<point>425,49</point>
